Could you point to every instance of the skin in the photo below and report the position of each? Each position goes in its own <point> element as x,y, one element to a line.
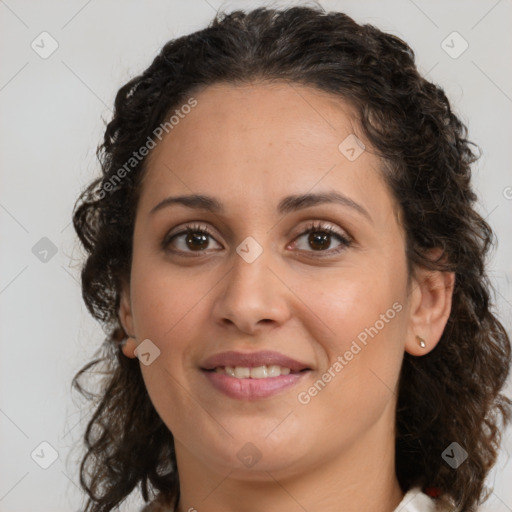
<point>249,146</point>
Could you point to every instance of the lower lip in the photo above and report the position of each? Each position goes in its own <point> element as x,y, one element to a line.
<point>251,389</point>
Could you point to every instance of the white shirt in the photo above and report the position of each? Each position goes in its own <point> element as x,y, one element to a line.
<point>416,501</point>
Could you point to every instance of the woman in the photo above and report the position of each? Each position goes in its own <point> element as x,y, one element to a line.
<point>285,252</point>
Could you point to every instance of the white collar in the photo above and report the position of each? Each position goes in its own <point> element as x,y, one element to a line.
<point>416,501</point>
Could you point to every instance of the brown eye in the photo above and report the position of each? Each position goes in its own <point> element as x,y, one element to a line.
<point>319,240</point>
<point>192,239</point>
<point>196,240</point>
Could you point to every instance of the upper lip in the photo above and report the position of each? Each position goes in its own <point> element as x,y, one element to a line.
<point>253,360</point>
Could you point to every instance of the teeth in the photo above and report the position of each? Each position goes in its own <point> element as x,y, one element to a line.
<point>260,372</point>
<point>229,371</point>
<point>275,371</point>
<point>242,373</point>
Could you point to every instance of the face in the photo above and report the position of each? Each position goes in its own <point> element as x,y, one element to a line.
<point>314,287</point>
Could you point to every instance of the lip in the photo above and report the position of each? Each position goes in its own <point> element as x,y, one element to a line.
<point>252,389</point>
<point>253,360</point>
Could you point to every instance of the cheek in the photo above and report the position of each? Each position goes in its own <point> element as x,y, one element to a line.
<point>357,386</point>
<point>372,322</point>
<point>166,307</point>
<point>163,297</point>
<point>355,304</point>
<point>364,317</point>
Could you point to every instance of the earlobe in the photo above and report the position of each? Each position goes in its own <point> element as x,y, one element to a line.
<point>126,319</point>
<point>431,303</point>
<point>129,347</point>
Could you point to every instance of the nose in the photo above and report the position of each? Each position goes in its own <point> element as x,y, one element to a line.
<point>252,296</point>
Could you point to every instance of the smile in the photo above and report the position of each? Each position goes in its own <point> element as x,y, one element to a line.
<point>253,375</point>
<point>259,372</point>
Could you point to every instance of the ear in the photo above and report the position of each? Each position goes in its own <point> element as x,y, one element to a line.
<point>430,306</point>
<point>126,319</point>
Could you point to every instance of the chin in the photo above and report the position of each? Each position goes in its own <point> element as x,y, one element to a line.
<point>241,468</point>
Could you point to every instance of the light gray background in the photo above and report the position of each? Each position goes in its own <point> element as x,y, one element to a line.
<point>51,122</point>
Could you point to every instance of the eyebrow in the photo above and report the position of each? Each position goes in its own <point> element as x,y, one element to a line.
<point>286,205</point>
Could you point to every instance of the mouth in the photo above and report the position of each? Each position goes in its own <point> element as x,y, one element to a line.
<point>264,360</point>
<point>249,376</point>
<point>258,372</point>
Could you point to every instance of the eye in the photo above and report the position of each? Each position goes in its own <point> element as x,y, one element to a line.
<point>194,238</point>
<point>319,239</point>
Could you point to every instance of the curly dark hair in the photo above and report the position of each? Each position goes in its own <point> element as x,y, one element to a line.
<point>451,394</point>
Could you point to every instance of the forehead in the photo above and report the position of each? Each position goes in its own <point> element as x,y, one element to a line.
<point>258,141</point>
<point>277,112</point>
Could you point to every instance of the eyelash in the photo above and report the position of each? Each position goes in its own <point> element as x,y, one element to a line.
<point>311,228</point>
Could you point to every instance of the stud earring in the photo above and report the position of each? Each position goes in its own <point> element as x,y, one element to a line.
<point>421,341</point>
